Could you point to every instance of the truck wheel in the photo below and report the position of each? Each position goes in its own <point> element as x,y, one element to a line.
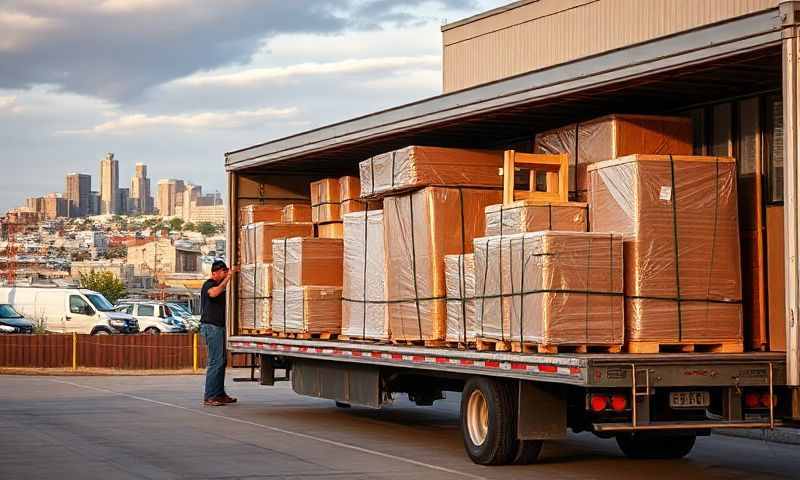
<point>528,452</point>
<point>655,446</point>
<point>488,421</point>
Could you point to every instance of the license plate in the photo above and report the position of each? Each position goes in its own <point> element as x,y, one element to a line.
<point>689,399</point>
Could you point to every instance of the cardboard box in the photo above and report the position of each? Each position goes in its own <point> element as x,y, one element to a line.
<point>533,216</point>
<point>260,213</point>
<point>550,288</point>
<point>256,239</point>
<point>462,325</point>
<point>330,230</point>
<point>614,136</point>
<point>255,295</point>
<point>296,212</point>
<point>307,309</point>
<point>414,167</point>
<point>682,262</point>
<point>299,261</point>
<point>421,228</point>
<point>365,311</point>
<point>326,200</point>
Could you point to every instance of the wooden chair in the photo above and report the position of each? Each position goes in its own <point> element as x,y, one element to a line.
<point>556,168</point>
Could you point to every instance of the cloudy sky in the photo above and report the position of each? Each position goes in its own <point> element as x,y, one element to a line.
<point>176,83</point>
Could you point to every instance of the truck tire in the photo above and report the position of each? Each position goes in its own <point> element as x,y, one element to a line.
<point>663,447</point>
<point>488,422</point>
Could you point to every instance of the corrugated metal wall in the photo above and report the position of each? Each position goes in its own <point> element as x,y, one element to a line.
<point>548,32</point>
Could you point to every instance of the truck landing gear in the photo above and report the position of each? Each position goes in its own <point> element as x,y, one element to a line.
<point>642,446</point>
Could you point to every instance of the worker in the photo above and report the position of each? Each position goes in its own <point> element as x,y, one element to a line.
<point>212,327</point>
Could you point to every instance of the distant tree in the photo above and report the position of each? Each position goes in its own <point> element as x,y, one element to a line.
<point>189,227</point>
<point>104,282</point>
<point>175,223</point>
<point>81,256</point>
<point>207,228</point>
<point>117,251</point>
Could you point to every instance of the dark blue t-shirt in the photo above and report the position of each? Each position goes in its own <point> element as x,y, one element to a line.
<point>212,308</point>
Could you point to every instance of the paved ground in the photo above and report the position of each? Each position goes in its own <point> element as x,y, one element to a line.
<point>155,428</point>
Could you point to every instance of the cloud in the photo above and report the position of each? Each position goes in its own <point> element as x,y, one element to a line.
<point>203,120</point>
<point>260,76</point>
<point>19,29</point>
<point>7,102</point>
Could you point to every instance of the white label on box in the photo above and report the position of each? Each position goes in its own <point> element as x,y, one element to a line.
<point>666,194</point>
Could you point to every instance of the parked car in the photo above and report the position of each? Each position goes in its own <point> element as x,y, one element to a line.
<point>192,321</point>
<point>154,317</point>
<point>68,310</point>
<point>12,322</point>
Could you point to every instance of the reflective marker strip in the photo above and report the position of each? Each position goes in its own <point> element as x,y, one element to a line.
<point>540,368</point>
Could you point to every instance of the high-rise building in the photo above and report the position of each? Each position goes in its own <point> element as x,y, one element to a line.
<point>169,191</point>
<point>109,185</point>
<point>190,195</point>
<point>55,206</point>
<point>123,197</point>
<point>35,204</point>
<point>78,186</point>
<point>140,191</point>
<point>94,203</point>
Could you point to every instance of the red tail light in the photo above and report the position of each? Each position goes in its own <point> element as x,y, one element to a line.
<point>598,402</point>
<point>619,402</point>
<point>753,400</point>
<point>765,400</point>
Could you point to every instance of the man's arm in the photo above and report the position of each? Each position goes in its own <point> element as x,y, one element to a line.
<point>214,292</point>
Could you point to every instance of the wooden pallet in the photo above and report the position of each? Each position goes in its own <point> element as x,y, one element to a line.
<point>307,336</point>
<point>461,345</point>
<point>579,348</point>
<point>255,331</point>
<point>417,343</point>
<point>492,345</point>
<point>659,347</point>
<point>346,338</point>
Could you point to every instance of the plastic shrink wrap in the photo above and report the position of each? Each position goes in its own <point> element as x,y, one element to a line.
<point>533,216</point>
<point>256,239</point>
<point>421,228</point>
<point>308,309</point>
<point>682,260</point>
<point>614,136</point>
<point>460,279</point>
<point>365,312</point>
<point>296,212</point>
<point>255,295</point>
<point>299,261</point>
<point>414,167</point>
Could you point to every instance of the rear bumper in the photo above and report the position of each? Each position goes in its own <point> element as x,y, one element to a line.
<point>701,425</point>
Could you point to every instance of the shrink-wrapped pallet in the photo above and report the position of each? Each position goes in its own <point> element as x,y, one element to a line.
<point>255,295</point>
<point>414,167</point>
<point>421,228</point>
<point>462,324</point>
<point>331,198</point>
<point>365,311</point>
<point>307,309</point>
<point>534,216</point>
<point>682,261</point>
<point>551,288</point>
<point>296,212</point>
<point>301,261</point>
<point>256,239</point>
<point>260,213</point>
<point>614,136</point>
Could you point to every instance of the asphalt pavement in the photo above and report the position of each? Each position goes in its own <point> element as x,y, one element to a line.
<point>60,428</point>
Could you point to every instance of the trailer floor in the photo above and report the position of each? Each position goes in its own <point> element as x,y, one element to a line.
<point>155,427</point>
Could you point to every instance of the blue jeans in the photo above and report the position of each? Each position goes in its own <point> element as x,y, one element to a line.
<point>215,365</point>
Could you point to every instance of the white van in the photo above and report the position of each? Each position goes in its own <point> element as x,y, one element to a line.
<point>68,310</point>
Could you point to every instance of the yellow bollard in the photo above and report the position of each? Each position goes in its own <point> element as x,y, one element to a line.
<point>74,351</point>
<point>194,352</point>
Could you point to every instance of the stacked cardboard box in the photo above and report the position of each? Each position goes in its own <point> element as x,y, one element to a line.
<point>308,309</point>
<point>420,229</point>
<point>614,136</point>
<point>462,323</point>
<point>296,213</point>
<point>302,271</point>
<point>415,167</point>
<point>365,311</point>
<point>533,216</point>
<point>682,261</point>
<point>256,239</point>
<point>550,288</point>
<point>331,199</point>
<point>260,213</point>
<point>255,296</point>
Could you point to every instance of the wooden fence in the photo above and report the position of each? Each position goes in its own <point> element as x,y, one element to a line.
<point>132,352</point>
